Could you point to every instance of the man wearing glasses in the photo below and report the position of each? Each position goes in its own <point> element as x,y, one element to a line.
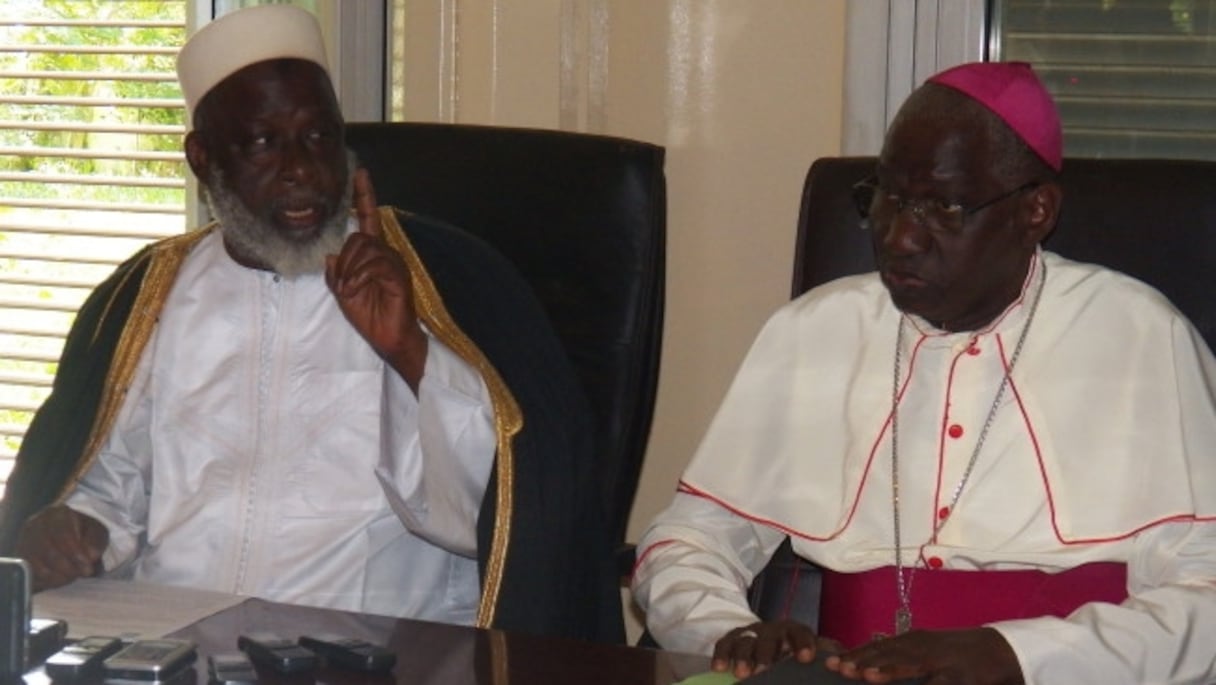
<point>1005,461</point>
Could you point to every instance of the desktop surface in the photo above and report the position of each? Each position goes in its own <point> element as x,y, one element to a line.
<point>432,653</point>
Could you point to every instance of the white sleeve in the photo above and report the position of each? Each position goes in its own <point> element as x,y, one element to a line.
<point>115,488</point>
<point>695,564</point>
<point>437,449</point>
<point>1163,632</point>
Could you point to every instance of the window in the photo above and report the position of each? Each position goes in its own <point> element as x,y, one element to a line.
<point>1131,78</point>
<point>91,169</point>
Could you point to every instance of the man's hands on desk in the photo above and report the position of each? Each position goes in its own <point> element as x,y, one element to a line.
<point>61,545</point>
<point>977,656</point>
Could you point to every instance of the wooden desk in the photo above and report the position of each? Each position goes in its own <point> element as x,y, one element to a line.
<point>435,653</point>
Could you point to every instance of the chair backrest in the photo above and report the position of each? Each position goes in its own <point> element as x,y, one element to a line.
<point>1152,219</point>
<point>583,218</point>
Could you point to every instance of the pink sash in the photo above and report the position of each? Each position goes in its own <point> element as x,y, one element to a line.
<point>856,606</point>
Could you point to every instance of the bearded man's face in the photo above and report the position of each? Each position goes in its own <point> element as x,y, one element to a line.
<point>277,173</point>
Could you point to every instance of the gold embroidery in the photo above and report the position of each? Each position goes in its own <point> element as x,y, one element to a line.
<point>508,419</point>
<point>105,314</point>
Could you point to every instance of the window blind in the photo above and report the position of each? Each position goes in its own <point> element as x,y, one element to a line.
<point>1132,78</point>
<point>91,169</point>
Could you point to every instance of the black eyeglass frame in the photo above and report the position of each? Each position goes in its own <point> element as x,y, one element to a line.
<point>865,190</point>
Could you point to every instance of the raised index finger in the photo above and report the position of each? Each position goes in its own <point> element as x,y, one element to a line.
<point>365,205</point>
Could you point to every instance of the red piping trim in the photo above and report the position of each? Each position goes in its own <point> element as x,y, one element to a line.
<point>646,552</point>
<point>941,444</point>
<point>684,487</point>
<point>690,490</point>
<point>1051,500</point>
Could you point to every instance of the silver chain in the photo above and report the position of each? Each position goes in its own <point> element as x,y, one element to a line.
<point>903,616</point>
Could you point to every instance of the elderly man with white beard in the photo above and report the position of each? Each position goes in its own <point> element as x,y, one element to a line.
<point>309,404</point>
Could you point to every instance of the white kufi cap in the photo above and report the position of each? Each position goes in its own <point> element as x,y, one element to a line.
<point>248,36</point>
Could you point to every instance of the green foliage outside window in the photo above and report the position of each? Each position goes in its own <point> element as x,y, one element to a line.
<point>137,93</point>
<point>43,92</point>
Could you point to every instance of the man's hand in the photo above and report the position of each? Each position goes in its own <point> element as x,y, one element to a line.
<point>755,647</point>
<point>61,545</point>
<point>973,657</point>
<point>372,285</point>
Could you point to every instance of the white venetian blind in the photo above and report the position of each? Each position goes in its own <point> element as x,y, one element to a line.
<point>1132,78</point>
<point>91,168</point>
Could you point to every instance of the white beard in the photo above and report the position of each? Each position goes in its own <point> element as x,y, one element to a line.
<point>259,241</point>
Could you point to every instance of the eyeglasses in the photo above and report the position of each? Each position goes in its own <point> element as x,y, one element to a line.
<point>875,204</point>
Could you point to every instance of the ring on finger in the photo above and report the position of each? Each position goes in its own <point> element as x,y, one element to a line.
<point>749,633</point>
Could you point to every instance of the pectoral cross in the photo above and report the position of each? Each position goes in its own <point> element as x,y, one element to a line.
<point>903,620</point>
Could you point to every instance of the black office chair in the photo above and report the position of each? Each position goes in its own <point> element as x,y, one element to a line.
<point>1152,219</point>
<point>583,219</point>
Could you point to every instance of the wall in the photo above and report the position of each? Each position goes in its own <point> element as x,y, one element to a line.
<point>744,94</point>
